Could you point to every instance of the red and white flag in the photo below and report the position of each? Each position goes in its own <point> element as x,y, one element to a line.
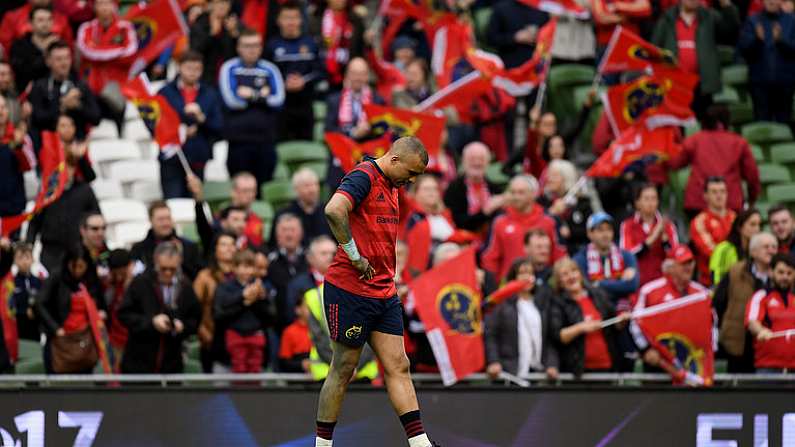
<point>636,145</point>
<point>160,118</point>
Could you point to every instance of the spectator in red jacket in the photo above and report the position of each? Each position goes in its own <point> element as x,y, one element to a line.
<point>16,24</point>
<point>243,195</point>
<point>716,151</point>
<point>77,11</point>
<point>711,226</point>
<point>508,230</point>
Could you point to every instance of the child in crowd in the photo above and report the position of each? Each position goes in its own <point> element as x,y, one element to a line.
<point>296,341</point>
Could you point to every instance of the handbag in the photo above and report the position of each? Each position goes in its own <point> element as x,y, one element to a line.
<point>75,352</point>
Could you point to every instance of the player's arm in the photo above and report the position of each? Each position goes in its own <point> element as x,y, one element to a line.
<point>337,211</point>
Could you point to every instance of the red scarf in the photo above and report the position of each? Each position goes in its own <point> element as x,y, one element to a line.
<point>477,196</point>
<point>8,317</point>
<point>596,268</point>
<point>97,329</point>
<point>336,30</point>
<point>346,115</point>
<point>8,134</point>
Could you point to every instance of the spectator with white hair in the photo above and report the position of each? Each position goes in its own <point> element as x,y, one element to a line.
<point>429,223</point>
<point>732,296</point>
<point>319,255</point>
<point>508,230</point>
<point>306,206</point>
<point>287,260</point>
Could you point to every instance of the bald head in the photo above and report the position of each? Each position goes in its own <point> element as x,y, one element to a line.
<point>408,147</point>
<point>357,74</point>
<point>406,159</point>
<point>475,159</point>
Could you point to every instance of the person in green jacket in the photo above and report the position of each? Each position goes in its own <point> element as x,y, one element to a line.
<point>735,247</point>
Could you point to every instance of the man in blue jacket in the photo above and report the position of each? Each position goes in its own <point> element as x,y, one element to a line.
<point>199,108</point>
<point>253,91</point>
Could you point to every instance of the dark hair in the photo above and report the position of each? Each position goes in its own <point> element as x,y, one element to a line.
<point>513,271</point>
<point>119,258</point>
<point>786,258</point>
<point>84,218</point>
<point>23,247</point>
<point>713,179</point>
<point>245,257</point>
<point>299,300</point>
<point>57,45</point>
<point>36,9</point>
<point>643,187</point>
<point>423,64</point>
<point>735,236</point>
<point>74,252</point>
<point>156,205</point>
<point>229,210</point>
<point>290,5</point>
<point>716,114</point>
<point>548,142</point>
<point>212,261</point>
<point>777,208</point>
<point>191,56</point>
<point>534,232</point>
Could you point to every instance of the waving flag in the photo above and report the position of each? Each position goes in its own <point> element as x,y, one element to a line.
<point>636,146</point>
<point>400,123</point>
<point>626,51</point>
<point>450,44</point>
<point>387,74</point>
<point>560,7</point>
<point>506,291</point>
<point>448,303</point>
<point>519,81</point>
<point>349,152</point>
<point>8,317</point>
<point>158,25</point>
<point>160,118</point>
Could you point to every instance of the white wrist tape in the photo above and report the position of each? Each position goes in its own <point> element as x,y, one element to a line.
<point>351,250</point>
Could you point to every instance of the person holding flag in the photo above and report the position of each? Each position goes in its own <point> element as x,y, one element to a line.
<point>361,302</point>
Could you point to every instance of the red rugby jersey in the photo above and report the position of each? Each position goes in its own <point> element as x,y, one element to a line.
<point>777,313</point>
<point>374,226</point>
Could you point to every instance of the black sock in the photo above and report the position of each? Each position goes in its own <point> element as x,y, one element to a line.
<point>325,429</point>
<point>412,424</point>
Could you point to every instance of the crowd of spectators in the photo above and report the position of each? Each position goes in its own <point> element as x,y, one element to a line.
<point>248,292</point>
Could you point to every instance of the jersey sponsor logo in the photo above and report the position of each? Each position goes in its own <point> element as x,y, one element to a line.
<point>387,220</point>
<point>459,305</point>
<point>353,332</point>
<point>686,355</point>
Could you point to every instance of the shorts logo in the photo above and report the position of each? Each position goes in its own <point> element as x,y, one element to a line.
<point>353,332</point>
<point>380,198</point>
<point>459,305</point>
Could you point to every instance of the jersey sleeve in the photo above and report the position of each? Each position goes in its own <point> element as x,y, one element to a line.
<point>355,186</point>
<point>755,309</point>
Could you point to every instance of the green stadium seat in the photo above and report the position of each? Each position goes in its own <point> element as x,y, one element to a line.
<point>763,207</point>
<point>766,133</point>
<point>278,193</point>
<point>263,209</point>
<point>193,366</point>
<point>727,96</point>
<point>29,366</point>
<point>319,167</point>
<point>190,232</point>
<point>783,153</point>
<point>741,113</point>
<point>318,131</point>
<point>725,55</point>
<point>281,172</point>
<point>193,349</point>
<point>781,194</point>
<point>293,153</point>
<point>759,155</point>
<point>481,18</point>
<point>563,79</point>
<point>29,349</point>
<point>216,192</point>
<point>581,93</point>
<point>771,174</point>
<point>319,108</point>
<point>692,128</point>
<point>736,76</point>
<point>495,175</point>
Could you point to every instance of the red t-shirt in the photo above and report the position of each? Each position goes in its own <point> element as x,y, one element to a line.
<point>686,43</point>
<point>776,314</point>
<point>78,314</point>
<point>295,340</point>
<point>189,94</point>
<point>597,356</point>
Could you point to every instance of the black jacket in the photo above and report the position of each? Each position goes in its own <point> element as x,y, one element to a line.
<point>565,312</point>
<point>314,224</point>
<point>28,62</point>
<point>148,351</point>
<point>54,301</point>
<point>501,333</point>
<point>45,97</point>
<point>280,272</point>
<point>455,198</point>
<point>215,49</point>
<point>59,223</point>
<point>191,258</point>
<point>508,17</point>
<point>12,182</point>
<point>231,313</point>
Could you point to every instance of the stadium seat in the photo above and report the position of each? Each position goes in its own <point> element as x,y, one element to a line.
<point>193,366</point>
<point>217,192</point>
<point>183,210</point>
<point>562,81</point>
<point>278,193</point>
<point>770,174</point>
<point>319,167</point>
<point>763,207</point>
<point>281,172</point>
<point>781,194</point>
<point>136,130</point>
<point>215,170</point>
<point>494,174</point>
<point>123,210</point>
<point>193,349</point>
<point>741,113</point>
<point>766,133</point>
<point>727,96</point>
<point>725,55</point>
<point>221,150</point>
<point>692,129</point>
<point>107,189</point>
<point>29,366</point>
<point>105,130</point>
<point>131,112</point>
<point>125,234</point>
<point>263,209</point>
<point>319,109</point>
<point>189,232</point>
<point>481,18</point>
<point>31,182</point>
<point>29,349</point>
<point>736,76</point>
<point>128,171</point>
<point>784,154</point>
<point>107,151</point>
<point>759,155</point>
<point>146,191</point>
<point>318,132</point>
<point>293,153</point>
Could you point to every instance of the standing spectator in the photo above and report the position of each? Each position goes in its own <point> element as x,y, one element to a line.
<point>11,95</point>
<point>26,288</point>
<point>17,23</point>
<point>92,239</point>
<point>296,342</point>
<point>575,323</point>
<point>472,198</point>
<point>76,150</point>
<point>62,92</point>
<point>711,226</point>
<point>16,158</point>
<point>77,11</point>
<point>648,234</point>
<point>106,46</point>
<point>199,108</point>
<point>342,30</point>
<point>574,40</point>
<point>517,332</point>
<point>345,110</point>
<point>253,90</point>
<point>120,276</point>
<point>214,35</point>
<point>732,295</point>
<point>513,29</point>
<point>242,304</point>
<point>287,260</point>
<point>428,224</point>
<point>783,227</point>
<point>692,32</point>
<point>163,231</point>
<point>297,56</point>
<point>569,214</point>
<point>63,306</point>
<point>160,311</point>
<point>507,233</point>
<point>715,151</point>
<point>767,43</point>
<point>772,311</point>
<point>609,14</point>
<point>538,248</point>
<point>219,269</point>
<point>28,52</point>
<point>319,255</point>
<point>307,206</point>
<point>244,193</point>
<point>735,247</point>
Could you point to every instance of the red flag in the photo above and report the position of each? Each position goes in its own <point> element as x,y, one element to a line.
<point>401,122</point>
<point>626,51</point>
<point>98,330</point>
<point>683,337</point>
<point>508,290</point>
<point>637,144</point>
<point>158,25</point>
<point>460,95</point>
<point>349,152</point>
<point>387,74</point>
<point>658,100</point>
<point>53,179</point>
<point>448,303</point>
<point>451,43</point>
<point>160,118</point>
<point>8,317</point>
<point>559,7</point>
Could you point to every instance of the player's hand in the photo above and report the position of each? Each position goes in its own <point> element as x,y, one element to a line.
<point>764,335</point>
<point>364,267</point>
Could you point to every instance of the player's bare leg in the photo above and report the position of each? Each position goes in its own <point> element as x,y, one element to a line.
<point>391,353</point>
<point>343,362</point>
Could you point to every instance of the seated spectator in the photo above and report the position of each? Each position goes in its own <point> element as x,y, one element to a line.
<point>734,164</point>
<point>62,92</point>
<point>16,157</point>
<point>569,214</point>
<point>106,46</point>
<point>160,311</point>
<point>675,283</point>
<point>342,31</point>
<point>120,275</point>
<point>517,333</point>
<point>297,55</point>
<point>307,206</point>
<point>732,295</point>
<point>521,215</point>
<point>26,288</point>
<point>711,226</point>
<point>472,198</point>
<point>214,35</point>
<point>17,23</point>
<point>417,88</point>
<point>513,29</point>
<point>575,323</point>
<point>735,247</point>
<point>163,231</point>
<point>219,269</point>
<point>319,256</point>
<point>242,305</point>
<point>648,235</point>
<point>65,308</point>
<point>769,312</point>
<point>199,108</point>
<point>692,32</point>
<point>28,52</point>
<point>538,248</point>
<point>345,111</point>
<point>782,225</point>
<point>16,111</point>
<point>429,224</point>
<point>244,193</point>
<point>766,43</point>
<point>253,91</point>
<point>296,342</point>
<point>92,239</point>
<point>287,260</point>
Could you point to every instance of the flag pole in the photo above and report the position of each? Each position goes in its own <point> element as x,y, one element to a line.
<point>786,333</point>
<point>516,380</point>
<point>663,307</point>
<point>184,162</point>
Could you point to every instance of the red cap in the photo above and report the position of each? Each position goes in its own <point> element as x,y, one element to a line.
<point>681,254</point>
